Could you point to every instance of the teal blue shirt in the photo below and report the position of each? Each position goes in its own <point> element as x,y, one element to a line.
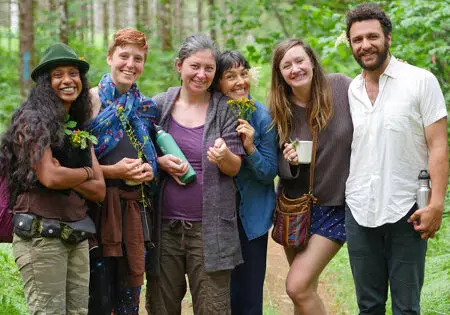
<point>255,178</point>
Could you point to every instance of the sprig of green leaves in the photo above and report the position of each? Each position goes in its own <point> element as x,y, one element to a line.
<point>78,138</point>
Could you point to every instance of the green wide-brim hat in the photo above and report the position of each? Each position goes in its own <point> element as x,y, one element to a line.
<point>59,54</point>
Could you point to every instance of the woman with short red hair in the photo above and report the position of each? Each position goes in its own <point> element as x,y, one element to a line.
<point>122,121</point>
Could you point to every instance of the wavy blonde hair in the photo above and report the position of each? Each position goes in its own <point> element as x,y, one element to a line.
<point>321,109</point>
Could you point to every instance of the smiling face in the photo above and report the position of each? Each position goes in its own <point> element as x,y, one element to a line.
<point>370,46</point>
<point>197,71</point>
<point>126,65</point>
<point>296,68</point>
<point>235,82</point>
<point>66,82</point>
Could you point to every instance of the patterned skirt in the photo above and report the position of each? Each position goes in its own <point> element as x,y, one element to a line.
<point>328,221</point>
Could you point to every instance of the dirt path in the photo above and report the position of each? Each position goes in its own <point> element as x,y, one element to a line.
<point>275,296</point>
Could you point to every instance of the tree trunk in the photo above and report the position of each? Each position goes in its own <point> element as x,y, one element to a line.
<point>212,20</point>
<point>84,27</point>
<point>63,26</point>
<point>199,16</point>
<point>138,14</point>
<point>91,22</point>
<point>145,17</point>
<point>166,35</point>
<point>53,5</point>
<point>154,19</point>
<point>116,15</point>
<point>105,22</point>
<point>26,9</point>
<point>9,27</point>
<point>178,20</point>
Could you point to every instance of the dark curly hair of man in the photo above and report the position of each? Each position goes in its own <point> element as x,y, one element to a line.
<point>368,11</point>
<point>37,124</point>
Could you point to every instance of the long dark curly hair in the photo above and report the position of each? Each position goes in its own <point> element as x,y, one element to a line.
<point>35,125</point>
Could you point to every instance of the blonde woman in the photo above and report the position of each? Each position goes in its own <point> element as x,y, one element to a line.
<point>303,97</point>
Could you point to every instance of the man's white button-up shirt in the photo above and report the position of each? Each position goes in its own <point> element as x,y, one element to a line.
<point>389,147</point>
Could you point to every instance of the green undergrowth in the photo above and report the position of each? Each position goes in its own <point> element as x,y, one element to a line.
<point>12,299</point>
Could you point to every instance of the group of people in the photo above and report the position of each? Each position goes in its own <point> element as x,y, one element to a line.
<point>375,133</point>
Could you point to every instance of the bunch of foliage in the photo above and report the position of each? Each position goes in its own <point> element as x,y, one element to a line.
<point>242,108</point>
<point>78,138</point>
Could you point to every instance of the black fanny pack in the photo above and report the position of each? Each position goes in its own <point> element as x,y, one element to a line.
<point>75,232</point>
<point>27,225</point>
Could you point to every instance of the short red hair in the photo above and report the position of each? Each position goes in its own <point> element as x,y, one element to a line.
<point>128,36</point>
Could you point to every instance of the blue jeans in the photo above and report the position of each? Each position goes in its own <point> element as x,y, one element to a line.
<point>247,279</point>
<point>392,254</point>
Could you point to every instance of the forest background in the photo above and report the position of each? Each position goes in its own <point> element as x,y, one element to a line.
<point>421,36</point>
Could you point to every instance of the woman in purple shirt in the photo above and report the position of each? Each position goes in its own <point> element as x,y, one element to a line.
<point>199,235</point>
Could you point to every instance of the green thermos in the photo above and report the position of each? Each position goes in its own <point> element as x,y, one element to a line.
<point>168,146</point>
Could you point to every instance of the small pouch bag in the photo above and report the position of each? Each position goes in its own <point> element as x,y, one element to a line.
<point>50,228</point>
<point>76,232</point>
<point>292,217</point>
<point>24,225</point>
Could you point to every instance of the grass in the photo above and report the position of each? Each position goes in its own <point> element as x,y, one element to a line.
<point>12,299</point>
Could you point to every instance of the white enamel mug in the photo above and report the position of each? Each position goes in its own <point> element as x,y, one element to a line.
<point>304,151</point>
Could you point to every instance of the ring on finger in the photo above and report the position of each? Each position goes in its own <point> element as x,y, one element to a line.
<point>289,159</point>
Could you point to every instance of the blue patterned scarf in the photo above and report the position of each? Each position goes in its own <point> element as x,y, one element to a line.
<point>140,111</point>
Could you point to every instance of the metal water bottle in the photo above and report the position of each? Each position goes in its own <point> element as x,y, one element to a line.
<point>168,146</point>
<point>423,192</point>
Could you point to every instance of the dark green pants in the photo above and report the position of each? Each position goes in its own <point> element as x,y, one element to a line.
<point>390,255</point>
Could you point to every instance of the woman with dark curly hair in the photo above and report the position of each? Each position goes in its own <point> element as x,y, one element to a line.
<point>51,170</point>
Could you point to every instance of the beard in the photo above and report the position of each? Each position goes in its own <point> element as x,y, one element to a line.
<point>381,58</point>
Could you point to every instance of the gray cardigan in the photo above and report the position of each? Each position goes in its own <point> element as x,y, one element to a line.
<point>221,243</point>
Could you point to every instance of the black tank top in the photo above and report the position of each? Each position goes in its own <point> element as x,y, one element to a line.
<point>123,149</point>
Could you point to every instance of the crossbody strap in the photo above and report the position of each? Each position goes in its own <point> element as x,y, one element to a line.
<point>313,160</point>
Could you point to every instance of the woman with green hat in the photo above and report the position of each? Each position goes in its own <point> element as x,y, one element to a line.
<point>51,171</point>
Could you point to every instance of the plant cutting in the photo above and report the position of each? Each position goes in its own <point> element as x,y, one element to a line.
<point>78,138</point>
<point>242,108</point>
<point>138,146</point>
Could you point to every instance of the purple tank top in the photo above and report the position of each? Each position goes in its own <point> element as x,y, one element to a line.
<point>185,202</point>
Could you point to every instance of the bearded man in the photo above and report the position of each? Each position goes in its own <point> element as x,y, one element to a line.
<point>400,127</point>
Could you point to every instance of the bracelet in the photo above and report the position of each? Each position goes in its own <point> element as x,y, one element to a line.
<point>89,172</point>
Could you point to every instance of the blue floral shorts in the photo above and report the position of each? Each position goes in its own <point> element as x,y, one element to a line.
<point>328,221</point>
